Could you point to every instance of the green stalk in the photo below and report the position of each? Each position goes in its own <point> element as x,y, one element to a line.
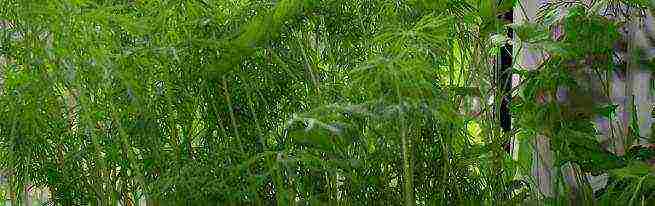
<point>232,117</point>
<point>408,185</point>
<point>407,166</point>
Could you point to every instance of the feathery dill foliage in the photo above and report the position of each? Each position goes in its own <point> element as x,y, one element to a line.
<point>260,102</point>
<point>190,102</point>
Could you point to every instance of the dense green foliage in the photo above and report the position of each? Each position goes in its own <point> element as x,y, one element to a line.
<point>285,102</point>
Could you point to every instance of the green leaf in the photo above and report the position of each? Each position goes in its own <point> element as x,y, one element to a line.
<point>608,111</point>
<point>635,169</point>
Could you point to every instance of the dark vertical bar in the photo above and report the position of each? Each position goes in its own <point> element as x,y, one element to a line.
<point>505,77</point>
<point>505,81</point>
